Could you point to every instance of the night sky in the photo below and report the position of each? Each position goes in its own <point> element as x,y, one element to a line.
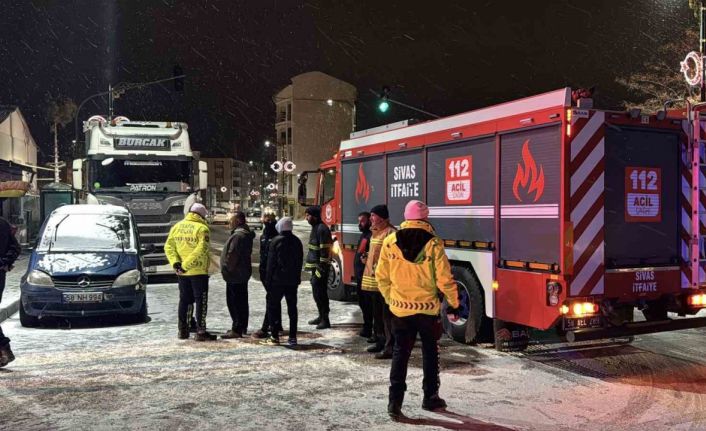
<point>443,56</point>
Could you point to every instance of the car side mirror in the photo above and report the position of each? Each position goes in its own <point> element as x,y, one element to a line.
<point>147,248</point>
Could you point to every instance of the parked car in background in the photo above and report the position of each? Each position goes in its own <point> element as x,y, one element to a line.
<point>253,217</point>
<point>86,263</point>
<point>219,215</point>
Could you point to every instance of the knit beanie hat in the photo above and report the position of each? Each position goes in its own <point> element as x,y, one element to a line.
<point>381,211</point>
<point>284,224</point>
<point>416,210</point>
<point>314,210</point>
<point>198,209</point>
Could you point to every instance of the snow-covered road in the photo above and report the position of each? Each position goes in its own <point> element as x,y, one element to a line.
<point>116,376</point>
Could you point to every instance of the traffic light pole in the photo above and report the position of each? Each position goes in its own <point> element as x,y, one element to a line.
<point>404,105</point>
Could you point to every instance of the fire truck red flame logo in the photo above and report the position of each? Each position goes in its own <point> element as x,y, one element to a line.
<point>362,187</point>
<point>528,177</point>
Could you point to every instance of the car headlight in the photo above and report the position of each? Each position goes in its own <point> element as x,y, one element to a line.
<point>128,278</point>
<point>40,278</point>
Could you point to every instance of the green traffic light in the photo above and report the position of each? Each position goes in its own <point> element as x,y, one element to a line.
<point>384,106</point>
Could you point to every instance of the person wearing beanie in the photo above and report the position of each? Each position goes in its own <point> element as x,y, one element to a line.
<point>269,232</point>
<point>236,269</point>
<point>188,252</point>
<point>318,260</point>
<point>412,271</point>
<point>382,337</point>
<point>283,276</point>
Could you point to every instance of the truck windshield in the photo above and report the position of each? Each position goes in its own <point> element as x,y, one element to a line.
<point>131,176</point>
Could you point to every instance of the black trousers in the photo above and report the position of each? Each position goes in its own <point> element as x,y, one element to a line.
<point>320,292</point>
<point>266,320</point>
<point>382,318</point>
<point>3,339</point>
<point>193,289</point>
<point>405,330</point>
<point>365,301</point>
<point>274,308</point>
<point>238,307</point>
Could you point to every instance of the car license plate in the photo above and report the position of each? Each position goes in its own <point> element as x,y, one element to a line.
<point>581,322</point>
<point>83,297</point>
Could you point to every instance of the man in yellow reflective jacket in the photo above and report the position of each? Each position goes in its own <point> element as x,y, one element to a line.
<point>187,249</point>
<point>412,270</point>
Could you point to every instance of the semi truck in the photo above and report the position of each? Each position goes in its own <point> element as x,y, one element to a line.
<point>147,167</point>
<point>554,215</point>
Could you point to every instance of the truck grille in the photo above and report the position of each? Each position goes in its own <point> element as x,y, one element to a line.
<point>153,218</point>
<point>155,229</point>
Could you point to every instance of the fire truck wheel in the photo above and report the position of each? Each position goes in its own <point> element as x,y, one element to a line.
<point>655,310</point>
<point>336,288</point>
<point>472,326</point>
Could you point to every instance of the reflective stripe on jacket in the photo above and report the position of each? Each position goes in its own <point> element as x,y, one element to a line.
<point>369,282</point>
<point>413,269</point>
<point>188,243</point>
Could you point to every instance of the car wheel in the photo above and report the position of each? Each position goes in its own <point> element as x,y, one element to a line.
<point>336,288</point>
<point>25,319</point>
<point>142,315</point>
<point>472,326</point>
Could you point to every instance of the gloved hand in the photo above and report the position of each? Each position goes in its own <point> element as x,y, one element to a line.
<point>177,267</point>
<point>452,314</point>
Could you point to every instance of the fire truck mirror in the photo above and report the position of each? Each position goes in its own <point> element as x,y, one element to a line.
<point>301,194</point>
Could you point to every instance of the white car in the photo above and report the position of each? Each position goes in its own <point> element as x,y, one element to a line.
<point>219,215</point>
<point>254,218</point>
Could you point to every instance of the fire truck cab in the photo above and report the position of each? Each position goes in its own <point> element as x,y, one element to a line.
<point>553,214</point>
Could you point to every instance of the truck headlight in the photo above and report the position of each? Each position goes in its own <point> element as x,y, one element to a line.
<point>128,278</point>
<point>40,278</point>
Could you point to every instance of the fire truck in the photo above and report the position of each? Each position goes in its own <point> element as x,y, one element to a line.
<point>554,215</point>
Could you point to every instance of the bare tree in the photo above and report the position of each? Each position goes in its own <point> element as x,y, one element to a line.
<point>60,112</point>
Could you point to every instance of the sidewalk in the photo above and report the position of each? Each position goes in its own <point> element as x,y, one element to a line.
<point>11,296</point>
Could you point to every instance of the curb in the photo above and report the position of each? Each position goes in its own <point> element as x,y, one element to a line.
<point>8,311</point>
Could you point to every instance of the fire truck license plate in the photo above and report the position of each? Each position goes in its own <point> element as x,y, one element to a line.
<point>83,297</point>
<point>581,322</point>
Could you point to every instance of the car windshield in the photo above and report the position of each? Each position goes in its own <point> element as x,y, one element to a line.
<point>134,176</point>
<point>87,232</point>
<point>254,214</point>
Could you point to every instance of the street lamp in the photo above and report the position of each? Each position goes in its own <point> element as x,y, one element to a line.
<point>267,144</point>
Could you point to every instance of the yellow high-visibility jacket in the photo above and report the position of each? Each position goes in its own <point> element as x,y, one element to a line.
<point>188,243</point>
<point>368,282</point>
<point>412,269</point>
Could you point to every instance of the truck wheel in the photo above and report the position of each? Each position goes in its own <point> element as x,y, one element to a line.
<point>336,288</point>
<point>510,337</point>
<point>472,326</point>
<point>655,311</point>
<point>26,320</point>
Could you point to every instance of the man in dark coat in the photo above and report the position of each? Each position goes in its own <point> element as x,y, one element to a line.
<point>236,268</point>
<point>9,251</point>
<point>361,254</point>
<point>318,261</point>
<point>284,269</point>
<point>269,232</point>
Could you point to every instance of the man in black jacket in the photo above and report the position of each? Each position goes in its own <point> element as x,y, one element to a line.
<point>283,276</point>
<point>236,268</point>
<point>9,251</point>
<point>269,232</point>
<point>365,300</point>
<point>318,262</point>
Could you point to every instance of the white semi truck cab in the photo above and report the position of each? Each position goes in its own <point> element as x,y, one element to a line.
<point>147,167</point>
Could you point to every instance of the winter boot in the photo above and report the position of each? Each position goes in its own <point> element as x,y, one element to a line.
<point>270,341</point>
<point>394,406</point>
<point>6,355</point>
<point>183,334</point>
<point>377,347</point>
<point>315,321</point>
<point>324,324</point>
<point>292,341</point>
<point>383,355</point>
<point>205,336</point>
<point>261,333</point>
<point>372,339</point>
<point>232,333</point>
<point>433,402</point>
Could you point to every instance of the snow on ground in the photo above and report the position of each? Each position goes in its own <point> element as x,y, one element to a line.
<point>116,376</point>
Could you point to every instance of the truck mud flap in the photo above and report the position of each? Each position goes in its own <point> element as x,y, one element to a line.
<point>636,328</point>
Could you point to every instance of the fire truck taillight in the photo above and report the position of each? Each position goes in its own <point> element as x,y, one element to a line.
<point>698,300</point>
<point>580,309</point>
<point>553,291</point>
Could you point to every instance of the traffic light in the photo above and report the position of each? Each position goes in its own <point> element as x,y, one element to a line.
<point>178,82</point>
<point>383,104</point>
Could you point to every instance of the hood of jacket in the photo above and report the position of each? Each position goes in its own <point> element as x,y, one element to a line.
<point>244,229</point>
<point>195,218</point>
<point>413,237</point>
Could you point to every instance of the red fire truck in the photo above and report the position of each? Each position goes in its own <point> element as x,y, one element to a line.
<point>553,214</point>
